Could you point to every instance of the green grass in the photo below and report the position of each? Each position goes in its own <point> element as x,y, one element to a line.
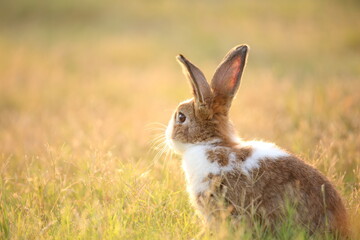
<point>82,84</point>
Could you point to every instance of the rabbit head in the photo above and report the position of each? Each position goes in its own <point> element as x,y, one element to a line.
<point>204,118</point>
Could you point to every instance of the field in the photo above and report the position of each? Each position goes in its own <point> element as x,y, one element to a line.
<point>86,88</point>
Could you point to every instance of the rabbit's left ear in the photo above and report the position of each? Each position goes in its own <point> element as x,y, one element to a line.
<point>201,89</point>
<point>226,80</point>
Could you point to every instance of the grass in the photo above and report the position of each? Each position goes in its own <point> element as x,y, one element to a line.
<point>83,84</point>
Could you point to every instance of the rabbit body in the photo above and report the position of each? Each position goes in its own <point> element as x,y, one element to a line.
<point>259,179</point>
<point>248,178</point>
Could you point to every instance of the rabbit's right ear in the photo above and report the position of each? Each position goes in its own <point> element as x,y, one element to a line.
<point>226,80</point>
<point>201,89</point>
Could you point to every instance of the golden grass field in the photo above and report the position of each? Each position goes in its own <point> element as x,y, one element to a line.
<point>86,86</point>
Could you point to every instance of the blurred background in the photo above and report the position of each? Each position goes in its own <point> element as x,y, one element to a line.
<point>83,84</point>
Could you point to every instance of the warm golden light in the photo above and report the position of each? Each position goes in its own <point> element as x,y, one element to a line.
<point>87,88</point>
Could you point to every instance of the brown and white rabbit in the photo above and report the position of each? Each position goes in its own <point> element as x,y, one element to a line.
<point>248,174</point>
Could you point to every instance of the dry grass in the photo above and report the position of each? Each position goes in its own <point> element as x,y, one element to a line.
<point>81,84</point>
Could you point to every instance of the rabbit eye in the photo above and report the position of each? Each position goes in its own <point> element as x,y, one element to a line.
<point>181,117</point>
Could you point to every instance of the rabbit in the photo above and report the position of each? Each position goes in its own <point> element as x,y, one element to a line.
<point>244,174</point>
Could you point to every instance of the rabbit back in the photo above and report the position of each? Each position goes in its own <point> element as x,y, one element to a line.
<point>258,178</point>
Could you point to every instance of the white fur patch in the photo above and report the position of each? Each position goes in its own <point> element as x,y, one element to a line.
<point>260,151</point>
<point>197,168</point>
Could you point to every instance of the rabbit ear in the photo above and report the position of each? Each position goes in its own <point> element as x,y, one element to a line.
<point>226,80</point>
<point>201,89</point>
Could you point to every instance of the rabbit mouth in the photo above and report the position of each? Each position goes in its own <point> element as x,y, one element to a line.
<point>177,146</point>
<point>168,135</point>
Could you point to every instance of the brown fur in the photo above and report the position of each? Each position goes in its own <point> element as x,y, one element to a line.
<point>213,126</point>
<point>242,153</point>
<point>198,129</point>
<point>221,155</point>
<point>279,181</point>
<point>276,183</point>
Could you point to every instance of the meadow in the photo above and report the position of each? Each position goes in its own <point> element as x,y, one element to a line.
<point>87,87</point>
